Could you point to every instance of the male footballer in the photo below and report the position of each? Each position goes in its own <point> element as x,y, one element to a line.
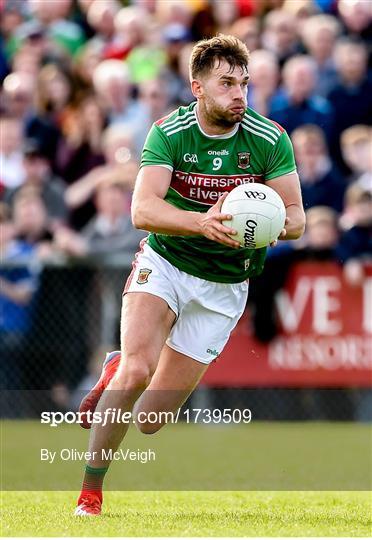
<point>188,287</point>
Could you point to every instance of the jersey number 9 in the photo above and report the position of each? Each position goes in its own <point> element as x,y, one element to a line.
<point>217,163</point>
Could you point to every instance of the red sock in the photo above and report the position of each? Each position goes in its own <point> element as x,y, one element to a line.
<point>93,481</point>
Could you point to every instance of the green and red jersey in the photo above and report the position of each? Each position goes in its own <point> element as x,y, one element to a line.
<point>203,168</point>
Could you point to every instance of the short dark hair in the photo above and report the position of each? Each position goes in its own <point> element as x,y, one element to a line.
<point>221,47</point>
<point>34,147</point>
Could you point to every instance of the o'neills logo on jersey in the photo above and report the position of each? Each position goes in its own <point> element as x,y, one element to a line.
<point>249,233</point>
<point>208,189</point>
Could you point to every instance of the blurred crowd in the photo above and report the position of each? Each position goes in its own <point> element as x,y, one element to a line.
<point>83,80</point>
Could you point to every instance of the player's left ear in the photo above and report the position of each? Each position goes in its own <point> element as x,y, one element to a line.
<point>197,88</point>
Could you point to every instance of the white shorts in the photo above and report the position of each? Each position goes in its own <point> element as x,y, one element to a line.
<point>206,311</point>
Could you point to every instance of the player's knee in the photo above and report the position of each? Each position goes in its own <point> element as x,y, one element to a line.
<point>148,428</point>
<point>134,376</point>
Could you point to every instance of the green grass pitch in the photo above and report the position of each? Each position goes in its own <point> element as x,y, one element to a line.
<point>191,514</point>
<point>256,477</point>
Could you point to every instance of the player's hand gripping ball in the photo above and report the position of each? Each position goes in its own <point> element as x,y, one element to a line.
<point>258,214</point>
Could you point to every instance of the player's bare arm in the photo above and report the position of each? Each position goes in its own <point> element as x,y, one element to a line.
<point>152,213</point>
<point>288,187</point>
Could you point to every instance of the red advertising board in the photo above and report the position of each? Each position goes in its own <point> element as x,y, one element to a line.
<point>325,336</point>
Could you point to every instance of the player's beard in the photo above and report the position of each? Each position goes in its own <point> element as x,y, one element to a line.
<point>219,116</point>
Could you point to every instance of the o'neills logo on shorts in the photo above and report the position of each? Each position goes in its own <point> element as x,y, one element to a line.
<point>249,233</point>
<point>207,189</point>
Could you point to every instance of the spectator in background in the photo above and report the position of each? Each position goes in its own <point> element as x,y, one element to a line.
<point>53,94</point>
<point>84,6</point>
<point>100,17</point>
<point>356,16</point>
<point>79,15</point>
<point>247,29</point>
<point>178,83</point>
<point>83,66</point>
<point>301,10</point>
<point>118,145</point>
<point>298,104</point>
<point>321,182</point>
<point>280,34</point>
<point>110,237</point>
<point>174,13</point>
<point>54,19</point>
<point>26,61</point>
<point>264,78</point>
<point>131,25</point>
<point>18,285</point>
<point>147,59</point>
<point>31,41</point>
<point>322,234</point>
<point>356,241</point>
<point>113,87</point>
<point>38,175</point>
<point>148,5</point>
<point>12,16</point>
<point>154,94</point>
<point>17,98</point>
<point>351,98</point>
<point>177,44</point>
<point>225,13</point>
<point>11,158</point>
<point>32,224</point>
<point>137,40</point>
<point>356,150</point>
<point>319,36</point>
<point>202,25</point>
<point>79,148</point>
<point>34,228</point>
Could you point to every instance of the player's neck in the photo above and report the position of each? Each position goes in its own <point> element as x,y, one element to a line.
<point>209,128</point>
